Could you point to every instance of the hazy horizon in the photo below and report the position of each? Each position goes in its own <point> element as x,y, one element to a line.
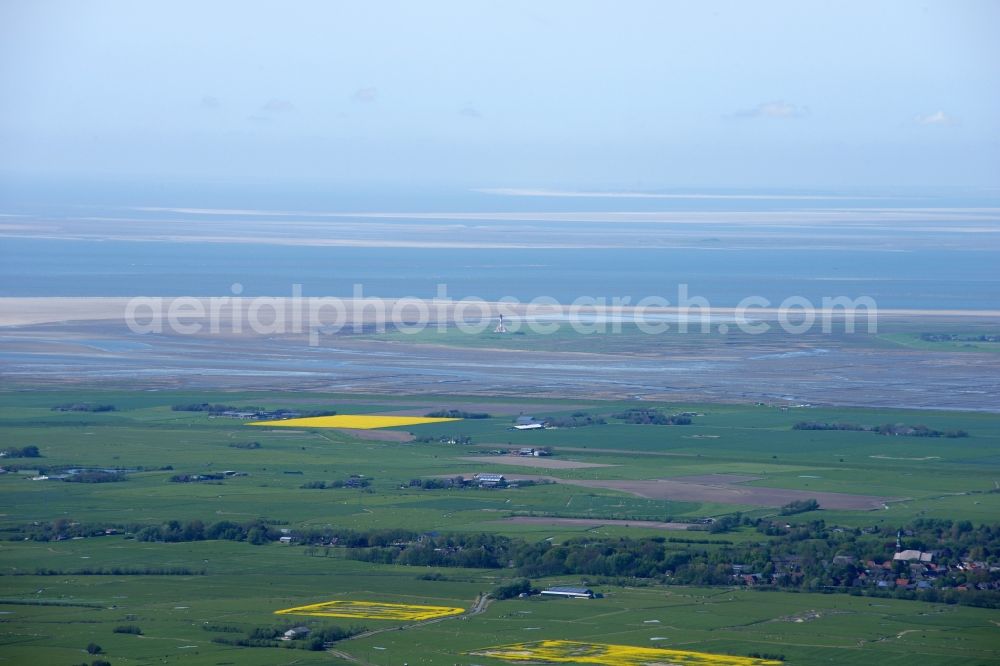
<point>640,96</point>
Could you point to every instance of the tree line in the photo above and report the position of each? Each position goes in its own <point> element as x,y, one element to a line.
<point>810,557</point>
<point>574,420</point>
<point>884,429</point>
<point>83,407</point>
<point>456,414</point>
<point>215,409</point>
<point>30,451</point>
<point>651,417</point>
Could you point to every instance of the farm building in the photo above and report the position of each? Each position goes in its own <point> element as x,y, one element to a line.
<point>489,479</point>
<point>569,592</point>
<point>528,423</point>
<point>295,633</point>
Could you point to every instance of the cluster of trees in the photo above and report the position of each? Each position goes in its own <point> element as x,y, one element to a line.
<point>918,431</point>
<point>725,524</point>
<point>244,445</point>
<point>799,506</point>
<point>446,483</point>
<point>60,528</point>
<point>819,425</point>
<point>133,629</point>
<point>257,532</point>
<point>478,551</point>
<point>215,409</point>
<point>191,478</point>
<point>445,439</point>
<point>83,407</point>
<point>513,590</point>
<point>457,414</point>
<point>438,484</point>
<point>30,451</point>
<point>94,649</point>
<point>211,408</point>
<point>350,482</point>
<point>652,417</point>
<point>121,571</point>
<point>350,539</point>
<point>574,420</point>
<point>318,638</point>
<point>884,429</point>
<point>96,476</point>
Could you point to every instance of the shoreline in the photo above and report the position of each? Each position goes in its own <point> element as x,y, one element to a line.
<point>34,310</point>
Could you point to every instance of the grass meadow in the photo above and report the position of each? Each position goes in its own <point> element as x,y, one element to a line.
<point>55,617</point>
<point>51,618</point>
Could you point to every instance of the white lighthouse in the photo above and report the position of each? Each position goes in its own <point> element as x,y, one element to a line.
<point>500,327</point>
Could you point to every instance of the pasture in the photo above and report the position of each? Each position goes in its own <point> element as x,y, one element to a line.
<point>60,595</point>
<point>238,587</point>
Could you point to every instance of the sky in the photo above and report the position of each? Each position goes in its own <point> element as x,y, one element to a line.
<point>616,95</point>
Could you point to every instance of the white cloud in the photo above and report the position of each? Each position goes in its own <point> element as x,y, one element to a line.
<point>210,102</point>
<point>775,109</point>
<point>936,118</point>
<point>535,192</point>
<point>278,106</point>
<point>367,95</point>
<point>470,112</point>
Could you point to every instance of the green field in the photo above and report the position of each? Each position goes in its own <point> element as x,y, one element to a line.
<point>243,585</point>
<point>51,618</point>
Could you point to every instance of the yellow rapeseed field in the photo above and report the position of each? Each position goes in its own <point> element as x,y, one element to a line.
<point>372,610</point>
<point>354,421</point>
<point>613,655</point>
